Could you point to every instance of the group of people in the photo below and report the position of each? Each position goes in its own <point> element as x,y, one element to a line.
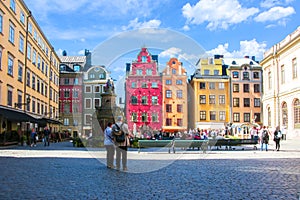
<point>113,146</point>
<point>34,137</point>
<point>265,135</point>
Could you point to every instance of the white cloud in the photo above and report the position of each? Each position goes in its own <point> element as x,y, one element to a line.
<point>171,52</point>
<point>186,28</point>
<point>135,24</point>
<point>272,3</point>
<point>247,48</point>
<point>216,14</point>
<point>275,13</point>
<point>81,52</point>
<point>59,52</point>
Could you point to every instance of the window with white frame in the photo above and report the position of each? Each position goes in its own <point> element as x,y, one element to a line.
<point>88,89</point>
<point>179,94</point>
<point>221,86</point>
<point>154,117</point>
<point>21,43</point>
<point>88,103</point>
<point>222,115</point>
<point>256,102</point>
<point>20,72</point>
<point>10,65</point>
<point>168,93</point>
<point>202,115</point>
<point>11,36</point>
<point>1,21</point>
<point>294,66</point>
<point>13,5</point>
<point>221,99</point>
<point>22,17</point>
<point>9,95</point>
<point>202,99</point>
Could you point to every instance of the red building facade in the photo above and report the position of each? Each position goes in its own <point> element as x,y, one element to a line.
<point>143,100</point>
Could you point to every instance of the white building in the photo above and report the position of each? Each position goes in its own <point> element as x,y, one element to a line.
<point>281,90</point>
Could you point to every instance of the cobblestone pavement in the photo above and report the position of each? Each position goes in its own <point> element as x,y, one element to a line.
<point>64,172</point>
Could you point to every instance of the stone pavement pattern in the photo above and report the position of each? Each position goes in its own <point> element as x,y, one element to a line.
<point>27,174</point>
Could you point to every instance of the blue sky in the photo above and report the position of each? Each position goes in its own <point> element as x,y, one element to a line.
<point>234,28</point>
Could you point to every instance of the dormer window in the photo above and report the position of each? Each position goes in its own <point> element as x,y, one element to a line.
<point>144,58</point>
<point>233,62</point>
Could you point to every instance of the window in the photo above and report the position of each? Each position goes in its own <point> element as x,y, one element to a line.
<point>222,115</point>
<point>144,117</point>
<point>134,117</point>
<point>33,56</point>
<point>154,117</point>
<point>282,73</point>
<point>77,68</point>
<point>97,89</point>
<point>0,58</point>
<point>29,27</point>
<point>139,72</point>
<point>22,17</point>
<point>202,86</point>
<point>179,108</point>
<point>246,88</point>
<point>102,76</point>
<point>13,5</point>
<point>202,115</point>
<point>11,37</point>
<point>202,99</point>
<point>256,75</point>
<point>134,100</point>
<point>75,81</point>
<point>133,85</point>
<point>66,94</point>
<point>20,72</point>
<point>29,51</point>
<point>216,72</point>
<point>38,85</point>
<point>246,117</point>
<point>173,71</point>
<point>66,121</point>
<point>179,82</point>
<point>212,86</point>
<point>256,88</point>
<point>39,62</point>
<point>88,119</point>
<point>144,59</point>
<point>297,113</point>
<point>246,102</point>
<point>169,108</point>
<point>179,94</point>
<point>33,105</point>
<point>1,22</point>
<point>284,114</point>
<point>75,94</point>
<point>168,122</point>
<point>144,100</point>
<point>66,81</point>
<point>269,80</point>
<point>75,108</point>
<point>28,79</point>
<point>144,85</point>
<point>245,75</point>
<point>88,89</point>
<point>168,94</point>
<point>9,95</point>
<point>168,82</point>
<point>235,74</point>
<point>236,102</point>
<point>206,72</point>
<point>19,105</point>
<point>96,102</point>
<point>88,103</point>
<point>256,102</point>
<point>212,99</point>
<point>294,66</point>
<point>10,65</point>
<point>212,115</point>
<point>154,85</point>
<point>236,87</point>
<point>221,99</point>
<point>236,117</point>
<point>149,72</point>
<point>21,43</point>
<point>154,100</point>
<point>221,86</point>
<point>179,122</point>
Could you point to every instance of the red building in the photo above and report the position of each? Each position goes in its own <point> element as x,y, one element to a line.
<point>143,100</point>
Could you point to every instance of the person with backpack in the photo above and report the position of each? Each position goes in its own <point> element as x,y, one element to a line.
<point>277,137</point>
<point>121,137</point>
<point>109,145</point>
<point>264,139</point>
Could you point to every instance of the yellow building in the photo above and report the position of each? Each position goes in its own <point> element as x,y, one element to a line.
<point>174,84</point>
<point>29,71</point>
<point>209,92</point>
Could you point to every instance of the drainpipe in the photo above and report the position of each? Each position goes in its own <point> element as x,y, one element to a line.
<point>25,62</point>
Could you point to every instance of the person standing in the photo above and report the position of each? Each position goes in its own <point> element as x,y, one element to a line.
<point>264,139</point>
<point>33,135</point>
<point>109,145</point>
<point>277,137</point>
<point>121,147</point>
<point>46,136</point>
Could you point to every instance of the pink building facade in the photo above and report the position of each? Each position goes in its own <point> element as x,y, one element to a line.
<point>143,100</point>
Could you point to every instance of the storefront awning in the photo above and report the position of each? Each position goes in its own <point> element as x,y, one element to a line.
<point>16,115</point>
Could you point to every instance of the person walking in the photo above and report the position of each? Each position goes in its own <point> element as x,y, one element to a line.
<point>46,136</point>
<point>121,147</point>
<point>33,135</point>
<point>277,137</point>
<point>110,146</point>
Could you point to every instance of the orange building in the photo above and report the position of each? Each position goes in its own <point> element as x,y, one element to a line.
<point>174,90</point>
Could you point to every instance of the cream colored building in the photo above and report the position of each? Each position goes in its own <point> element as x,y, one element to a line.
<point>281,97</point>
<point>29,71</point>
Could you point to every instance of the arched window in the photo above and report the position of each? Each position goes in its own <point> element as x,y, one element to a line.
<point>297,113</point>
<point>284,114</point>
<point>269,116</point>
